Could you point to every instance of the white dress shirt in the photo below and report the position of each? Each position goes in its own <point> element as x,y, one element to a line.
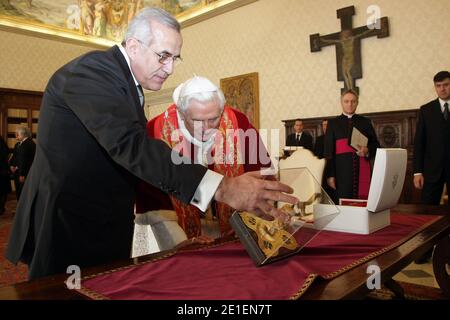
<point>442,102</point>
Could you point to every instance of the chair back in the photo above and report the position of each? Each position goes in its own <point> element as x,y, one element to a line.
<point>304,186</point>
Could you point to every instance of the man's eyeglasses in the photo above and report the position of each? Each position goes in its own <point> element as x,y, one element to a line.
<point>164,58</point>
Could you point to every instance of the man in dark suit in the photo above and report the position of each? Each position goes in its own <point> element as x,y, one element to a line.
<point>432,147</point>
<point>5,181</point>
<point>319,149</point>
<point>76,206</point>
<point>432,143</point>
<point>320,140</point>
<point>299,138</point>
<point>23,155</point>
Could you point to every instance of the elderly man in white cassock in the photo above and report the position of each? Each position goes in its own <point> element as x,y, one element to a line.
<point>202,128</point>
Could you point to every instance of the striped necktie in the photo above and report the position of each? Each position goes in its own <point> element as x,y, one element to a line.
<point>141,94</point>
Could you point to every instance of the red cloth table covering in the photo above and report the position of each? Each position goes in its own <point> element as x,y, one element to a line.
<point>226,271</point>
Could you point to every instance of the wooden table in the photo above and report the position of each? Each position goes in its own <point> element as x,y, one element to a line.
<point>352,284</point>
<point>349,285</point>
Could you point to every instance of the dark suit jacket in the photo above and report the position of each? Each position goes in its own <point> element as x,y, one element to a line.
<point>5,181</point>
<point>24,156</point>
<point>13,159</point>
<point>319,146</point>
<point>431,151</point>
<point>76,207</point>
<point>306,141</point>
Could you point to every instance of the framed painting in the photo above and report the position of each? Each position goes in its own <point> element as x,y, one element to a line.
<point>242,93</point>
<point>99,22</point>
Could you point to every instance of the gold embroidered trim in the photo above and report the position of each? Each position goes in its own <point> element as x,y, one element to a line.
<point>308,282</point>
<point>377,253</point>
<point>92,294</point>
<point>98,296</point>
<point>305,286</point>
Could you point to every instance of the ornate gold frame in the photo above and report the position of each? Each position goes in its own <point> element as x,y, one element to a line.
<point>186,18</point>
<point>242,93</point>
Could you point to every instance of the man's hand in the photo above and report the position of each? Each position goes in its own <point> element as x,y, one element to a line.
<point>331,181</point>
<point>418,181</point>
<point>22,179</point>
<point>362,151</point>
<point>253,192</point>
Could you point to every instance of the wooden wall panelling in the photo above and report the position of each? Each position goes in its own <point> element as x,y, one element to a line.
<point>18,107</point>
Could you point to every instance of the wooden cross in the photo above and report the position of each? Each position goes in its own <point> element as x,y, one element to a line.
<point>348,45</point>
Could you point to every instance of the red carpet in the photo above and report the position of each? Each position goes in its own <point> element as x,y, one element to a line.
<point>9,273</point>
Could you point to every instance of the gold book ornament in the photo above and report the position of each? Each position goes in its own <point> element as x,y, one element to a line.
<point>298,211</point>
<point>271,234</point>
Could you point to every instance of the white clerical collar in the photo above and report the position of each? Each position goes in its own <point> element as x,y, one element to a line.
<point>204,147</point>
<point>127,58</point>
<point>348,115</point>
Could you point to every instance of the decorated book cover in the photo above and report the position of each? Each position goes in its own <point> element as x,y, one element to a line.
<point>269,239</point>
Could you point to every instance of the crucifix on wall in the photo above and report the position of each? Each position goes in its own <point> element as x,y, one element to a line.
<point>348,45</point>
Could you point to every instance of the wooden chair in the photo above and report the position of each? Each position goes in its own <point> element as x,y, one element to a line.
<point>156,231</point>
<point>304,185</point>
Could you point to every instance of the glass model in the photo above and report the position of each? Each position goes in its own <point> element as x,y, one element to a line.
<point>268,239</point>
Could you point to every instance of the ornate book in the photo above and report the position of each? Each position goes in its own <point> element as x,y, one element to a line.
<point>264,241</point>
<point>267,240</point>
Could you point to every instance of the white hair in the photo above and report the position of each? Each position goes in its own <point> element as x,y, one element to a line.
<point>141,26</point>
<point>23,131</point>
<point>200,89</point>
<point>185,102</point>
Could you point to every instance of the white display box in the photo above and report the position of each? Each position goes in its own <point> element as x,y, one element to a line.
<point>385,188</point>
<point>357,220</point>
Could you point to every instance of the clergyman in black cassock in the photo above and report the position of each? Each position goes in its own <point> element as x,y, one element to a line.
<point>350,169</point>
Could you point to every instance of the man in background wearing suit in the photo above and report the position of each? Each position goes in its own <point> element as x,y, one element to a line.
<point>432,146</point>
<point>432,143</point>
<point>320,141</point>
<point>5,181</point>
<point>22,159</point>
<point>319,149</point>
<point>77,203</point>
<point>299,138</point>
